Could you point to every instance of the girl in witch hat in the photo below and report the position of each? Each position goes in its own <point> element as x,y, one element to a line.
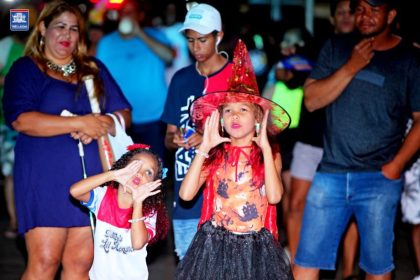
<point>240,168</point>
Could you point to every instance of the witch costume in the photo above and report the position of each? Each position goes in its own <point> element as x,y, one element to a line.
<point>237,236</point>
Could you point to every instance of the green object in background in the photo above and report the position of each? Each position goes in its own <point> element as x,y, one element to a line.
<point>258,41</point>
<point>290,100</point>
<point>15,50</point>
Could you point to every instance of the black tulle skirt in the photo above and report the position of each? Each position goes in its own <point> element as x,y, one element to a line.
<point>218,254</point>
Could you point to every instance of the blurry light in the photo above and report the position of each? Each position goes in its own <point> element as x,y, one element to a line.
<point>259,61</point>
<point>258,41</point>
<point>114,4</point>
<point>83,8</point>
<point>109,4</point>
<point>112,15</point>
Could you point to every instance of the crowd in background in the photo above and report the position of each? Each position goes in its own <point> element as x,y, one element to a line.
<point>164,51</point>
<point>242,19</point>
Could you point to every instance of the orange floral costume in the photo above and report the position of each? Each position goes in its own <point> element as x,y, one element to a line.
<point>233,241</point>
<point>234,197</point>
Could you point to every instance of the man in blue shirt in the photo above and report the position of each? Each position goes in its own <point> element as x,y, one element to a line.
<point>137,57</point>
<point>369,84</point>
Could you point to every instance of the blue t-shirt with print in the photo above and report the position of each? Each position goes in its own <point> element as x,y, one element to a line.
<point>365,125</point>
<point>185,87</point>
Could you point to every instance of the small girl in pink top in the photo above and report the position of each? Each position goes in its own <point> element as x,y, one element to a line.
<point>130,213</point>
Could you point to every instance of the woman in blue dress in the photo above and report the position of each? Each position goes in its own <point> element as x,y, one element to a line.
<point>39,86</point>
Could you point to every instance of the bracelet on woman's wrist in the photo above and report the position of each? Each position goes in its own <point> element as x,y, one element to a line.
<point>137,220</point>
<point>201,153</point>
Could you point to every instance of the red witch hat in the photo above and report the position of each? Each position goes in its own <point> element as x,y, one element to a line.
<point>242,87</point>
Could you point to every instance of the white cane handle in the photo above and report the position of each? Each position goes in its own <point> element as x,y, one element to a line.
<point>105,150</point>
<point>94,104</point>
<point>66,113</point>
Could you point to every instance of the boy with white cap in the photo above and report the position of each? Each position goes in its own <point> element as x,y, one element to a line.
<point>203,30</point>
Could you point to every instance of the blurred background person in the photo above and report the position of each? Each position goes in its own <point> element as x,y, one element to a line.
<point>95,29</point>
<point>308,150</point>
<point>410,199</point>
<point>341,17</point>
<point>171,23</point>
<point>203,31</point>
<point>137,56</point>
<point>38,87</point>
<point>410,206</point>
<point>285,87</point>
<point>12,47</point>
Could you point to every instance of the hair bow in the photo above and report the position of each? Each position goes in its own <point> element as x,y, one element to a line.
<point>138,146</point>
<point>164,172</point>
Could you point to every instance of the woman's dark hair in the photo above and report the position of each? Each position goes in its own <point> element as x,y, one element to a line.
<point>154,203</point>
<point>86,66</point>
<point>333,6</point>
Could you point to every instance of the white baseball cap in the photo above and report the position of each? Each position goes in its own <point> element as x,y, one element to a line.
<point>203,19</point>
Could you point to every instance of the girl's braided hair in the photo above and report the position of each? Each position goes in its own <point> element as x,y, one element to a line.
<point>154,203</point>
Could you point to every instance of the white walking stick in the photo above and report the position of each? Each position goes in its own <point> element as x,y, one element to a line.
<point>105,150</point>
<point>66,113</point>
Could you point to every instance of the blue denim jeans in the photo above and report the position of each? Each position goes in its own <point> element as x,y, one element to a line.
<point>184,232</point>
<point>332,200</point>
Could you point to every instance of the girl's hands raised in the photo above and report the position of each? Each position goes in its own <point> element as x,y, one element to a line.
<point>262,139</point>
<point>127,178</point>
<point>211,135</point>
<point>140,193</point>
<point>124,175</point>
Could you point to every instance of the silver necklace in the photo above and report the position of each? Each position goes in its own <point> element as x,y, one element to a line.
<point>66,69</point>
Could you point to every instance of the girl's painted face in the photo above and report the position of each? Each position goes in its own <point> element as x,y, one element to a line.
<point>239,119</point>
<point>148,171</point>
<point>61,37</point>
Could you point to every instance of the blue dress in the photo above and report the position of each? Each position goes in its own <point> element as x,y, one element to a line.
<point>46,167</point>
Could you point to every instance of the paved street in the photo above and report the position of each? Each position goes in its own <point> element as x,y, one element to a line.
<point>162,261</point>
